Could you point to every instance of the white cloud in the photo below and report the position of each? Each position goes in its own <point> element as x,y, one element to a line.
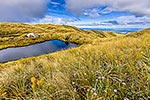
<point>145,20</point>
<point>55,20</point>
<point>55,3</point>
<point>22,10</point>
<point>93,13</point>
<point>119,22</point>
<point>137,7</point>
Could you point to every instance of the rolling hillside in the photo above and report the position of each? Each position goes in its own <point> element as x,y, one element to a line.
<point>105,66</point>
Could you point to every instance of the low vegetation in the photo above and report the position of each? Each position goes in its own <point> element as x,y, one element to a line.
<point>106,66</point>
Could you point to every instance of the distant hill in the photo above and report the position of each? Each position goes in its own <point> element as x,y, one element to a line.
<point>139,33</point>
<point>102,34</point>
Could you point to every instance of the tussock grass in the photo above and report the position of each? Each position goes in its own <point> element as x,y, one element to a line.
<point>13,34</point>
<point>105,68</point>
<point>102,34</point>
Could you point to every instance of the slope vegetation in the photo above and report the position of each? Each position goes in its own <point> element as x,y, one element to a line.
<point>104,67</point>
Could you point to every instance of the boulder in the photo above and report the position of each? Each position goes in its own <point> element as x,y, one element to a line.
<point>32,35</point>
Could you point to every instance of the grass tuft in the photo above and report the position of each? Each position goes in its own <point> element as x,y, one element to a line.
<point>104,67</point>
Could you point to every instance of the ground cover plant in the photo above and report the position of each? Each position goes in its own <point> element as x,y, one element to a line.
<point>107,66</point>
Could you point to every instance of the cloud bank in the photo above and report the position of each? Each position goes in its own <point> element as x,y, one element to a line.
<point>55,20</point>
<point>130,21</point>
<point>22,10</point>
<point>137,7</point>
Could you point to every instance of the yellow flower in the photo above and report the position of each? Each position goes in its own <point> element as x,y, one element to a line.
<point>41,81</point>
<point>33,86</point>
<point>38,82</point>
<point>33,79</point>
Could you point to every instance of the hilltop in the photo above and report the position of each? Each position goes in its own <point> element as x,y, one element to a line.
<point>13,34</point>
<point>106,65</point>
<point>139,33</point>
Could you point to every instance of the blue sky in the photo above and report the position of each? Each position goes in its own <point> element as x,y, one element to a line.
<point>80,13</point>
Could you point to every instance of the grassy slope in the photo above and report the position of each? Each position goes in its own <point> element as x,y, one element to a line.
<point>116,67</point>
<point>13,34</point>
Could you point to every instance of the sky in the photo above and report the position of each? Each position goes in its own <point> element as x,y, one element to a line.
<point>80,13</point>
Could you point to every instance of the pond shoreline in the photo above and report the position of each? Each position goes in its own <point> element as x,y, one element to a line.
<point>41,41</point>
<point>15,53</point>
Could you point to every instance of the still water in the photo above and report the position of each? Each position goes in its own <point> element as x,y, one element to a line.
<point>10,54</point>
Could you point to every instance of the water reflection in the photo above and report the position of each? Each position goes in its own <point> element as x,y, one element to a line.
<point>10,54</point>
